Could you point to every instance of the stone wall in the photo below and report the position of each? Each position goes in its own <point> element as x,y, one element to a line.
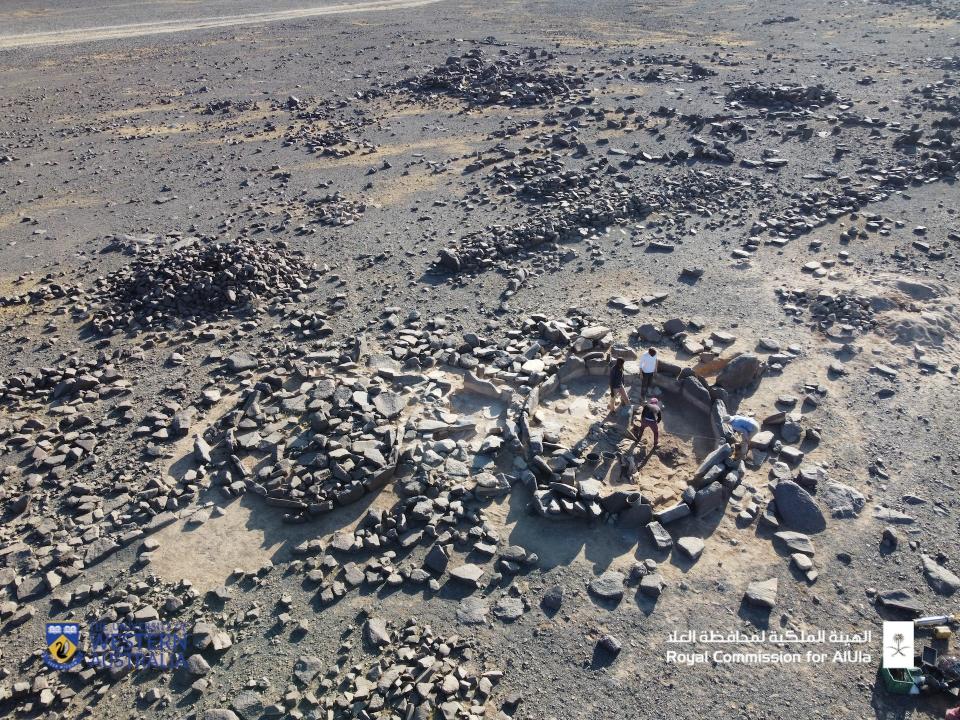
<point>558,495</point>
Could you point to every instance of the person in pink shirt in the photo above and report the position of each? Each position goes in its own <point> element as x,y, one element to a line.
<point>650,417</point>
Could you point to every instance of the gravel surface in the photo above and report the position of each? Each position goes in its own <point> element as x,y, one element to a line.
<point>306,314</point>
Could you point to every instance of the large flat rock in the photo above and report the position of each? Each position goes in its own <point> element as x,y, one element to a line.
<point>608,586</point>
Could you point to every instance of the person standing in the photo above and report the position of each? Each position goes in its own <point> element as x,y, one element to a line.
<point>650,417</point>
<point>648,366</point>
<point>617,389</point>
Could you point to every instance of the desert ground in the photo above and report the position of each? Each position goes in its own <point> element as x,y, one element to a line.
<point>307,315</point>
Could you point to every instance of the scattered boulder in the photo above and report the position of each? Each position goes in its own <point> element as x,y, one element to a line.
<point>940,578</point>
<point>468,574</point>
<point>307,668</point>
<point>509,608</point>
<point>692,547</point>
<point>436,559</point>
<point>610,645</point>
<point>708,499</point>
<point>240,361</point>
<point>389,404</point>
<point>797,508</point>
<point>740,372</point>
<point>552,598</point>
<point>248,705</point>
<point>472,611</point>
<point>219,714</point>
<point>659,536</point>
<point>900,602</point>
<point>197,665</point>
<point>376,631</point>
<point>889,539</point>
<point>651,585</point>
<point>762,593</point>
<point>609,586</point>
<point>795,542</point>
<point>842,500</point>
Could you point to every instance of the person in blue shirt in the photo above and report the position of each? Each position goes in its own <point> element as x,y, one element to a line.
<point>744,426</point>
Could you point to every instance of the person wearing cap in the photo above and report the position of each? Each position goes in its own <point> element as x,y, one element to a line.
<point>617,389</point>
<point>746,427</point>
<point>648,366</point>
<point>650,417</point>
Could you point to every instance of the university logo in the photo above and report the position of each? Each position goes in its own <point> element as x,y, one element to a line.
<point>139,646</point>
<point>63,641</point>
<point>898,645</point>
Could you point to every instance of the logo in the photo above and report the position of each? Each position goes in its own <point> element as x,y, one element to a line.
<point>898,645</point>
<point>63,640</point>
<point>139,646</point>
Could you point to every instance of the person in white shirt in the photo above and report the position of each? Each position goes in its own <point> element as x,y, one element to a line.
<point>648,366</point>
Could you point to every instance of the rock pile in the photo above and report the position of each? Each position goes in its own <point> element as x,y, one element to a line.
<point>225,107</point>
<point>196,281</point>
<point>331,143</point>
<point>940,97</point>
<point>942,9</point>
<point>780,20</point>
<point>115,612</point>
<point>126,244</point>
<point>545,179</point>
<point>686,71</point>
<point>715,151</point>
<point>50,452</point>
<point>671,59</point>
<point>559,497</point>
<point>513,79</point>
<point>481,250</point>
<point>48,288</point>
<point>324,443</point>
<point>785,97</point>
<point>335,210</point>
<point>835,314</point>
<point>950,62</point>
<point>574,210</point>
<point>533,346</point>
<point>431,511</point>
<point>74,385</point>
<point>58,423</point>
<point>939,158</point>
<point>322,132</point>
<point>414,673</point>
<point>307,324</point>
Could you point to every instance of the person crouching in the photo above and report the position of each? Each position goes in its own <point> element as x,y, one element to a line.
<point>650,417</point>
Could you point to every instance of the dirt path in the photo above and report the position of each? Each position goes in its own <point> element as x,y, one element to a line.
<point>116,32</point>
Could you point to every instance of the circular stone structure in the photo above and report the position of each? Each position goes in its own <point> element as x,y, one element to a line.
<point>579,467</point>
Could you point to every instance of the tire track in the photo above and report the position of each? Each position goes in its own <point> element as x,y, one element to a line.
<point>118,32</point>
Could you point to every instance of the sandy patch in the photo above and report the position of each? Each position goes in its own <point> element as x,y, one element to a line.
<point>39,207</point>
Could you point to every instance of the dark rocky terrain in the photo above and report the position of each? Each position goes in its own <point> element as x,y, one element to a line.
<point>306,314</point>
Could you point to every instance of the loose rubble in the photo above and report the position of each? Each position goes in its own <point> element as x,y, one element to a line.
<point>196,281</point>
